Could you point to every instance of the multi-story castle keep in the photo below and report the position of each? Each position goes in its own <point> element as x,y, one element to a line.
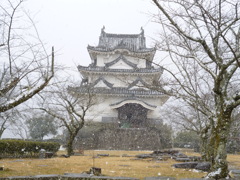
<point>120,75</point>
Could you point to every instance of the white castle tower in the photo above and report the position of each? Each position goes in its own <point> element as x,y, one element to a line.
<point>120,73</point>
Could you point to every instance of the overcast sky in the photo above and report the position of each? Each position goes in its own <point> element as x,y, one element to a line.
<point>70,25</point>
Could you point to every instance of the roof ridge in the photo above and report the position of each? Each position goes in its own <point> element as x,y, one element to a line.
<point>129,41</point>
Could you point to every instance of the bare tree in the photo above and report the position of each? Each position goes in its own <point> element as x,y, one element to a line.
<point>70,108</point>
<point>6,119</point>
<point>203,36</point>
<point>25,66</point>
<point>19,127</point>
<point>185,117</point>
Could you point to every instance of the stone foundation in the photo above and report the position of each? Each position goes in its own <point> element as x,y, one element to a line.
<point>67,177</point>
<point>72,176</point>
<point>130,139</point>
<point>121,139</point>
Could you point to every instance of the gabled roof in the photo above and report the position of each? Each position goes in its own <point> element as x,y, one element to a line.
<point>138,80</point>
<point>132,42</point>
<point>108,84</point>
<point>121,57</point>
<point>128,41</point>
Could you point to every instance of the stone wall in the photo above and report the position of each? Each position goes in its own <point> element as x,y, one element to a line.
<point>120,139</point>
<point>90,177</point>
<point>76,176</point>
<point>67,177</point>
<point>129,139</point>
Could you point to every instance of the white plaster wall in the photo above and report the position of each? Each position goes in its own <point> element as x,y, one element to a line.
<point>103,108</point>
<point>106,58</point>
<point>119,80</point>
<point>141,63</point>
<point>120,65</point>
<point>122,80</point>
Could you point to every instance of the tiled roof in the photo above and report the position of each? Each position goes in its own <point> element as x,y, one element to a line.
<point>116,92</point>
<point>132,42</point>
<point>106,70</point>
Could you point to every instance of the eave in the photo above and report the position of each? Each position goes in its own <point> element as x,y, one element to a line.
<point>121,92</point>
<point>135,101</point>
<point>104,71</point>
<point>147,53</point>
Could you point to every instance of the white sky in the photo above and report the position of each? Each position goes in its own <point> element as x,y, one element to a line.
<point>71,25</point>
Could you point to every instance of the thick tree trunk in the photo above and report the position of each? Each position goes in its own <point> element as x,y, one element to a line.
<point>71,139</point>
<point>70,145</point>
<point>217,148</point>
<point>204,137</point>
<point>204,148</point>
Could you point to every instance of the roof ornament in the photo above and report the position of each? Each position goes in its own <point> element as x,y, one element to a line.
<point>142,31</point>
<point>103,28</point>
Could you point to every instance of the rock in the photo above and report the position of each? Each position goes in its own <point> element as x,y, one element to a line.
<point>47,177</point>
<point>42,153</point>
<point>165,158</point>
<point>64,155</point>
<point>72,176</point>
<point>20,177</point>
<point>83,175</point>
<point>126,155</point>
<point>236,173</point>
<point>203,166</point>
<point>194,158</point>
<point>95,171</point>
<point>144,156</point>
<point>168,151</point>
<point>183,159</point>
<point>103,155</point>
<point>158,152</point>
<point>159,178</point>
<point>186,165</point>
<point>49,154</point>
<point>195,179</point>
<point>180,155</point>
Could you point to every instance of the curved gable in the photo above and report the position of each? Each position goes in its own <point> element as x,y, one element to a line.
<point>138,84</point>
<point>133,100</point>
<point>121,63</point>
<point>102,83</point>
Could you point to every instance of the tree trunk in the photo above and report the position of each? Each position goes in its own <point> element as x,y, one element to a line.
<point>70,145</point>
<point>204,137</point>
<point>1,132</point>
<point>217,148</point>
<point>204,148</point>
<point>72,136</point>
<point>2,128</point>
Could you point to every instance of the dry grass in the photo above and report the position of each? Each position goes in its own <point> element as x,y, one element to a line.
<point>114,165</point>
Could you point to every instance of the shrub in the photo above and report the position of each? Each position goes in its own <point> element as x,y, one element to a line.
<point>22,148</point>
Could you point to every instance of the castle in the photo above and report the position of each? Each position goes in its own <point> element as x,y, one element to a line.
<point>123,80</point>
